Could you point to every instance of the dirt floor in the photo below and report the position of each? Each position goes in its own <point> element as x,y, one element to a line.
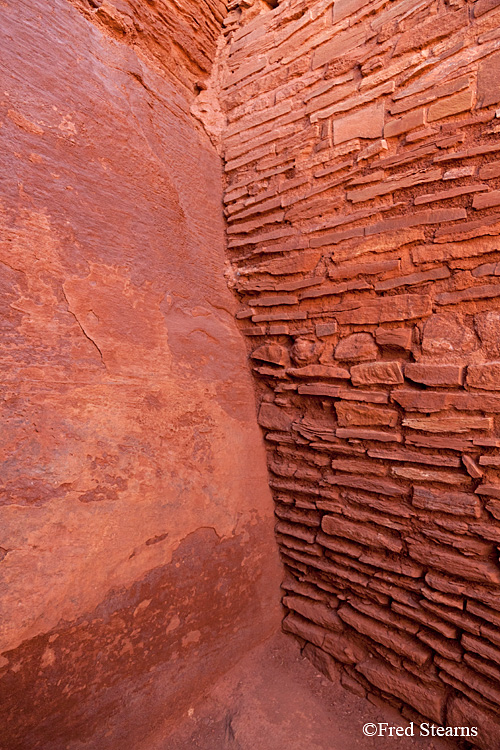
<point>275,699</point>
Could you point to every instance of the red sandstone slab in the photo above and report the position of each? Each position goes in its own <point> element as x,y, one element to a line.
<point>436,27</point>
<point>411,456</point>
<point>453,193</point>
<point>452,562</point>
<point>449,424</point>
<point>332,96</point>
<point>294,530</point>
<point>442,443</point>
<point>441,645</point>
<point>484,6</point>
<point>333,289</point>
<point>298,516</point>
<point>334,238</point>
<point>462,712</point>
<point>381,512</point>
<point>276,234</point>
<point>254,331</point>
<point>489,171</point>
<point>372,397</point>
<point>455,503</point>
<point>319,389</point>
<point>435,216</point>
<point>381,310</point>
<point>488,442</point>
<point>376,373</point>
<point>344,648</point>
<point>486,269</point>
<point>365,123</point>
<point>361,533</point>
<point>345,270</point>
<point>340,44</point>
<point>472,682</point>
<point>488,226</point>
<point>381,486</point>
<point>281,299</point>
<point>356,347</point>
<point>259,207</point>
<point>461,102</point>
<point>290,286</point>
<point>294,263</point>
<point>257,118</point>
<point>350,414</point>
<point>390,637</point>
<point>472,151</point>
<point>490,490</point>
<point>273,418</point>
<point>344,8</point>
<point>453,250</point>
<point>428,699</point>
<point>420,277</point>
<point>425,474</point>
<point>355,466</point>
<point>472,468</point>
<point>291,542</point>
<point>390,186</point>
<point>319,371</point>
<point>274,353</point>
<point>448,582</point>
<point>486,200</point>
<point>269,317</point>
<point>304,629</point>
<point>424,617</point>
<point>325,330</point>
<point>378,435</point>
<point>404,124</point>
<point>402,566</point>
<point>488,81</point>
<point>435,375</point>
<point>244,71</point>
<point>317,612</point>
<point>431,401</point>
<point>405,103</point>
<point>367,96</point>
<point>399,338</point>
<point>486,291</point>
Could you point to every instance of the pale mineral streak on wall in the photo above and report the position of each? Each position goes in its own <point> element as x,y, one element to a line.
<point>362,164</point>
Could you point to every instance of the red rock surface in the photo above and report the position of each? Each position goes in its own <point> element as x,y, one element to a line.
<point>178,37</point>
<point>249,707</point>
<point>366,142</point>
<point>137,558</point>
<point>361,162</point>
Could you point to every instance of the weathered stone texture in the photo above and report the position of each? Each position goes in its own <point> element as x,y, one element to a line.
<point>375,129</point>
<point>178,37</point>
<point>135,520</point>
<point>360,145</point>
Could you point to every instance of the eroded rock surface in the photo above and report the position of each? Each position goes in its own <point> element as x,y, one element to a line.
<point>136,535</point>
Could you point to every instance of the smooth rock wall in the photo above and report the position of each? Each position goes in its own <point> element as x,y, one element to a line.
<point>136,544</point>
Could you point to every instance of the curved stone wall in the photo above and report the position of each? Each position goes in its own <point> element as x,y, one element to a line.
<point>362,193</point>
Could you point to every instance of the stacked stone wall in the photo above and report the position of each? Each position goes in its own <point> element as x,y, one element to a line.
<point>362,169</point>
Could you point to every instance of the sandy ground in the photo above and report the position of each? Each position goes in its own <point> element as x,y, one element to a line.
<point>275,699</point>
